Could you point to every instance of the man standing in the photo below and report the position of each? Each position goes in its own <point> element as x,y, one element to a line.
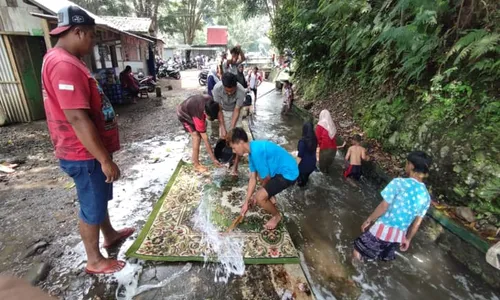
<point>237,58</point>
<point>254,80</point>
<point>231,96</point>
<point>84,132</point>
<point>192,113</point>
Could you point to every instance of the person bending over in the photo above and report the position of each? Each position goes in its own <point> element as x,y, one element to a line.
<point>192,113</point>
<point>276,168</point>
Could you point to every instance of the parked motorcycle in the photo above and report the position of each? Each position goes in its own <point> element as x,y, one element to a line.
<point>146,81</point>
<point>168,71</point>
<point>203,77</point>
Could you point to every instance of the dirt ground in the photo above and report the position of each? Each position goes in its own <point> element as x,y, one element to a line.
<point>38,204</point>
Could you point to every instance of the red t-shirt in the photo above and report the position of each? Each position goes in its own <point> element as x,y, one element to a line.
<point>324,140</point>
<point>68,84</point>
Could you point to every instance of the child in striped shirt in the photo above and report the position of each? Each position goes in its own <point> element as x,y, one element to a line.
<point>405,203</point>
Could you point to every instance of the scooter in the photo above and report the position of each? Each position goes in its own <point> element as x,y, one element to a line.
<point>203,77</point>
<point>168,71</point>
<point>146,81</point>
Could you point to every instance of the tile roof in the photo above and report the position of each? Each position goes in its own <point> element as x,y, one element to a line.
<point>131,24</point>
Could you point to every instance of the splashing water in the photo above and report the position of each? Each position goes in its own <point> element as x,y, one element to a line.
<point>227,249</point>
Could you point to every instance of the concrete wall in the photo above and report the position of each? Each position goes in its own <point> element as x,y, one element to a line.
<point>18,19</point>
<point>167,53</point>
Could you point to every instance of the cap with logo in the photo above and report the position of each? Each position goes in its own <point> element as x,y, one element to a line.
<point>71,16</point>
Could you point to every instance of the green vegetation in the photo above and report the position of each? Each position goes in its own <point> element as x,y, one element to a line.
<point>425,75</point>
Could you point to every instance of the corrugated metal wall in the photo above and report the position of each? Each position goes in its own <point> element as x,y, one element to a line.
<point>11,97</point>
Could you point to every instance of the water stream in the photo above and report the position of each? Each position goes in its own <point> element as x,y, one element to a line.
<point>325,218</point>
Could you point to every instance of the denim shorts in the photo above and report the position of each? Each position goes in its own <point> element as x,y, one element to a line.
<point>91,187</point>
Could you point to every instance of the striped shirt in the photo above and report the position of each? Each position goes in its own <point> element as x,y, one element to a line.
<point>387,233</point>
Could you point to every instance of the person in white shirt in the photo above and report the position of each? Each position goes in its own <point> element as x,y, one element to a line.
<point>254,80</point>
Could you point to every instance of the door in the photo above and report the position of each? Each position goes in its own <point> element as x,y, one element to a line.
<point>28,53</point>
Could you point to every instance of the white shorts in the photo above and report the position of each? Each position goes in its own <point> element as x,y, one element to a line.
<point>228,117</point>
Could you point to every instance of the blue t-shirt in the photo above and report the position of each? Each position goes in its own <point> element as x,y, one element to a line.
<point>308,158</point>
<point>408,199</point>
<point>268,159</point>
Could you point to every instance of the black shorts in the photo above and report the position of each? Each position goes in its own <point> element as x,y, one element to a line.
<point>277,184</point>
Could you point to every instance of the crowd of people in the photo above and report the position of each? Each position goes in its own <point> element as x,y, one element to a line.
<point>85,139</point>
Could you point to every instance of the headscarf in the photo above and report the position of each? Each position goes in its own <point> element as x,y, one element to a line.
<point>213,72</point>
<point>309,137</point>
<point>325,120</point>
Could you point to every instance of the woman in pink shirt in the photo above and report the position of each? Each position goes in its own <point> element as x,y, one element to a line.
<point>326,134</point>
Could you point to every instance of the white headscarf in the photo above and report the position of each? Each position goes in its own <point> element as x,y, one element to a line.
<point>325,120</point>
<point>213,72</point>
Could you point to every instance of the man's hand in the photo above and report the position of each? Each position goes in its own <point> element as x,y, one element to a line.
<point>111,170</point>
<point>244,209</point>
<point>223,132</point>
<point>365,225</point>
<point>405,245</point>
<point>217,163</point>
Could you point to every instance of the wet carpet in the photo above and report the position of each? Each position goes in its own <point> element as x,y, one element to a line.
<point>170,233</point>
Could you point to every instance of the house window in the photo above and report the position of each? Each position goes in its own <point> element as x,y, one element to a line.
<point>12,3</point>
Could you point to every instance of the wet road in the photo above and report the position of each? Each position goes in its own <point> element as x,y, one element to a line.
<point>325,218</point>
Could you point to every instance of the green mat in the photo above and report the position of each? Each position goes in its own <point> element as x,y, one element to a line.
<point>169,233</point>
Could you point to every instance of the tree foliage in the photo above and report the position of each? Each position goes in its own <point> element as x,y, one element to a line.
<point>420,63</point>
<point>149,9</point>
<point>106,7</point>
<point>188,16</point>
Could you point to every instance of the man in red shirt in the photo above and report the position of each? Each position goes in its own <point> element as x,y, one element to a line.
<point>192,113</point>
<point>84,132</point>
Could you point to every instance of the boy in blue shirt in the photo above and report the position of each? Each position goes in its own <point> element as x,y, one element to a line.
<point>276,168</point>
<point>405,203</point>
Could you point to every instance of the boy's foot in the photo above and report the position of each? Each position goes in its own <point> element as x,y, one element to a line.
<point>105,266</point>
<point>200,168</point>
<point>234,172</point>
<point>273,222</point>
<point>356,256</point>
<point>123,234</point>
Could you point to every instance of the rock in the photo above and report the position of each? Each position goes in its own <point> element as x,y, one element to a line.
<point>444,151</point>
<point>33,249</point>
<point>490,230</point>
<point>37,273</point>
<point>492,219</point>
<point>482,222</point>
<point>465,213</point>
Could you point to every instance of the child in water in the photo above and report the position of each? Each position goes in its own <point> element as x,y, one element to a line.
<point>355,154</point>
<point>307,153</point>
<point>405,203</point>
<point>288,97</point>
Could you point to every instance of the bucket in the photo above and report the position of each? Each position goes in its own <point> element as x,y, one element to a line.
<point>223,152</point>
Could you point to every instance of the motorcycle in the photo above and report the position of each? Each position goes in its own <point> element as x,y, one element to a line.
<point>146,81</point>
<point>168,71</point>
<point>203,77</point>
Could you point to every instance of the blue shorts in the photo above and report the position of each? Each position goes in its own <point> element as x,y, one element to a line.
<point>91,187</point>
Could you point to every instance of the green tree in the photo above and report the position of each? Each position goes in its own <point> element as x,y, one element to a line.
<point>106,7</point>
<point>149,9</point>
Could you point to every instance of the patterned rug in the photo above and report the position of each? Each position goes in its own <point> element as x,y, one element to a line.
<point>169,233</point>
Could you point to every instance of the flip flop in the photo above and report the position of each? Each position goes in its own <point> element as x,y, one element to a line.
<point>110,269</point>
<point>123,234</point>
